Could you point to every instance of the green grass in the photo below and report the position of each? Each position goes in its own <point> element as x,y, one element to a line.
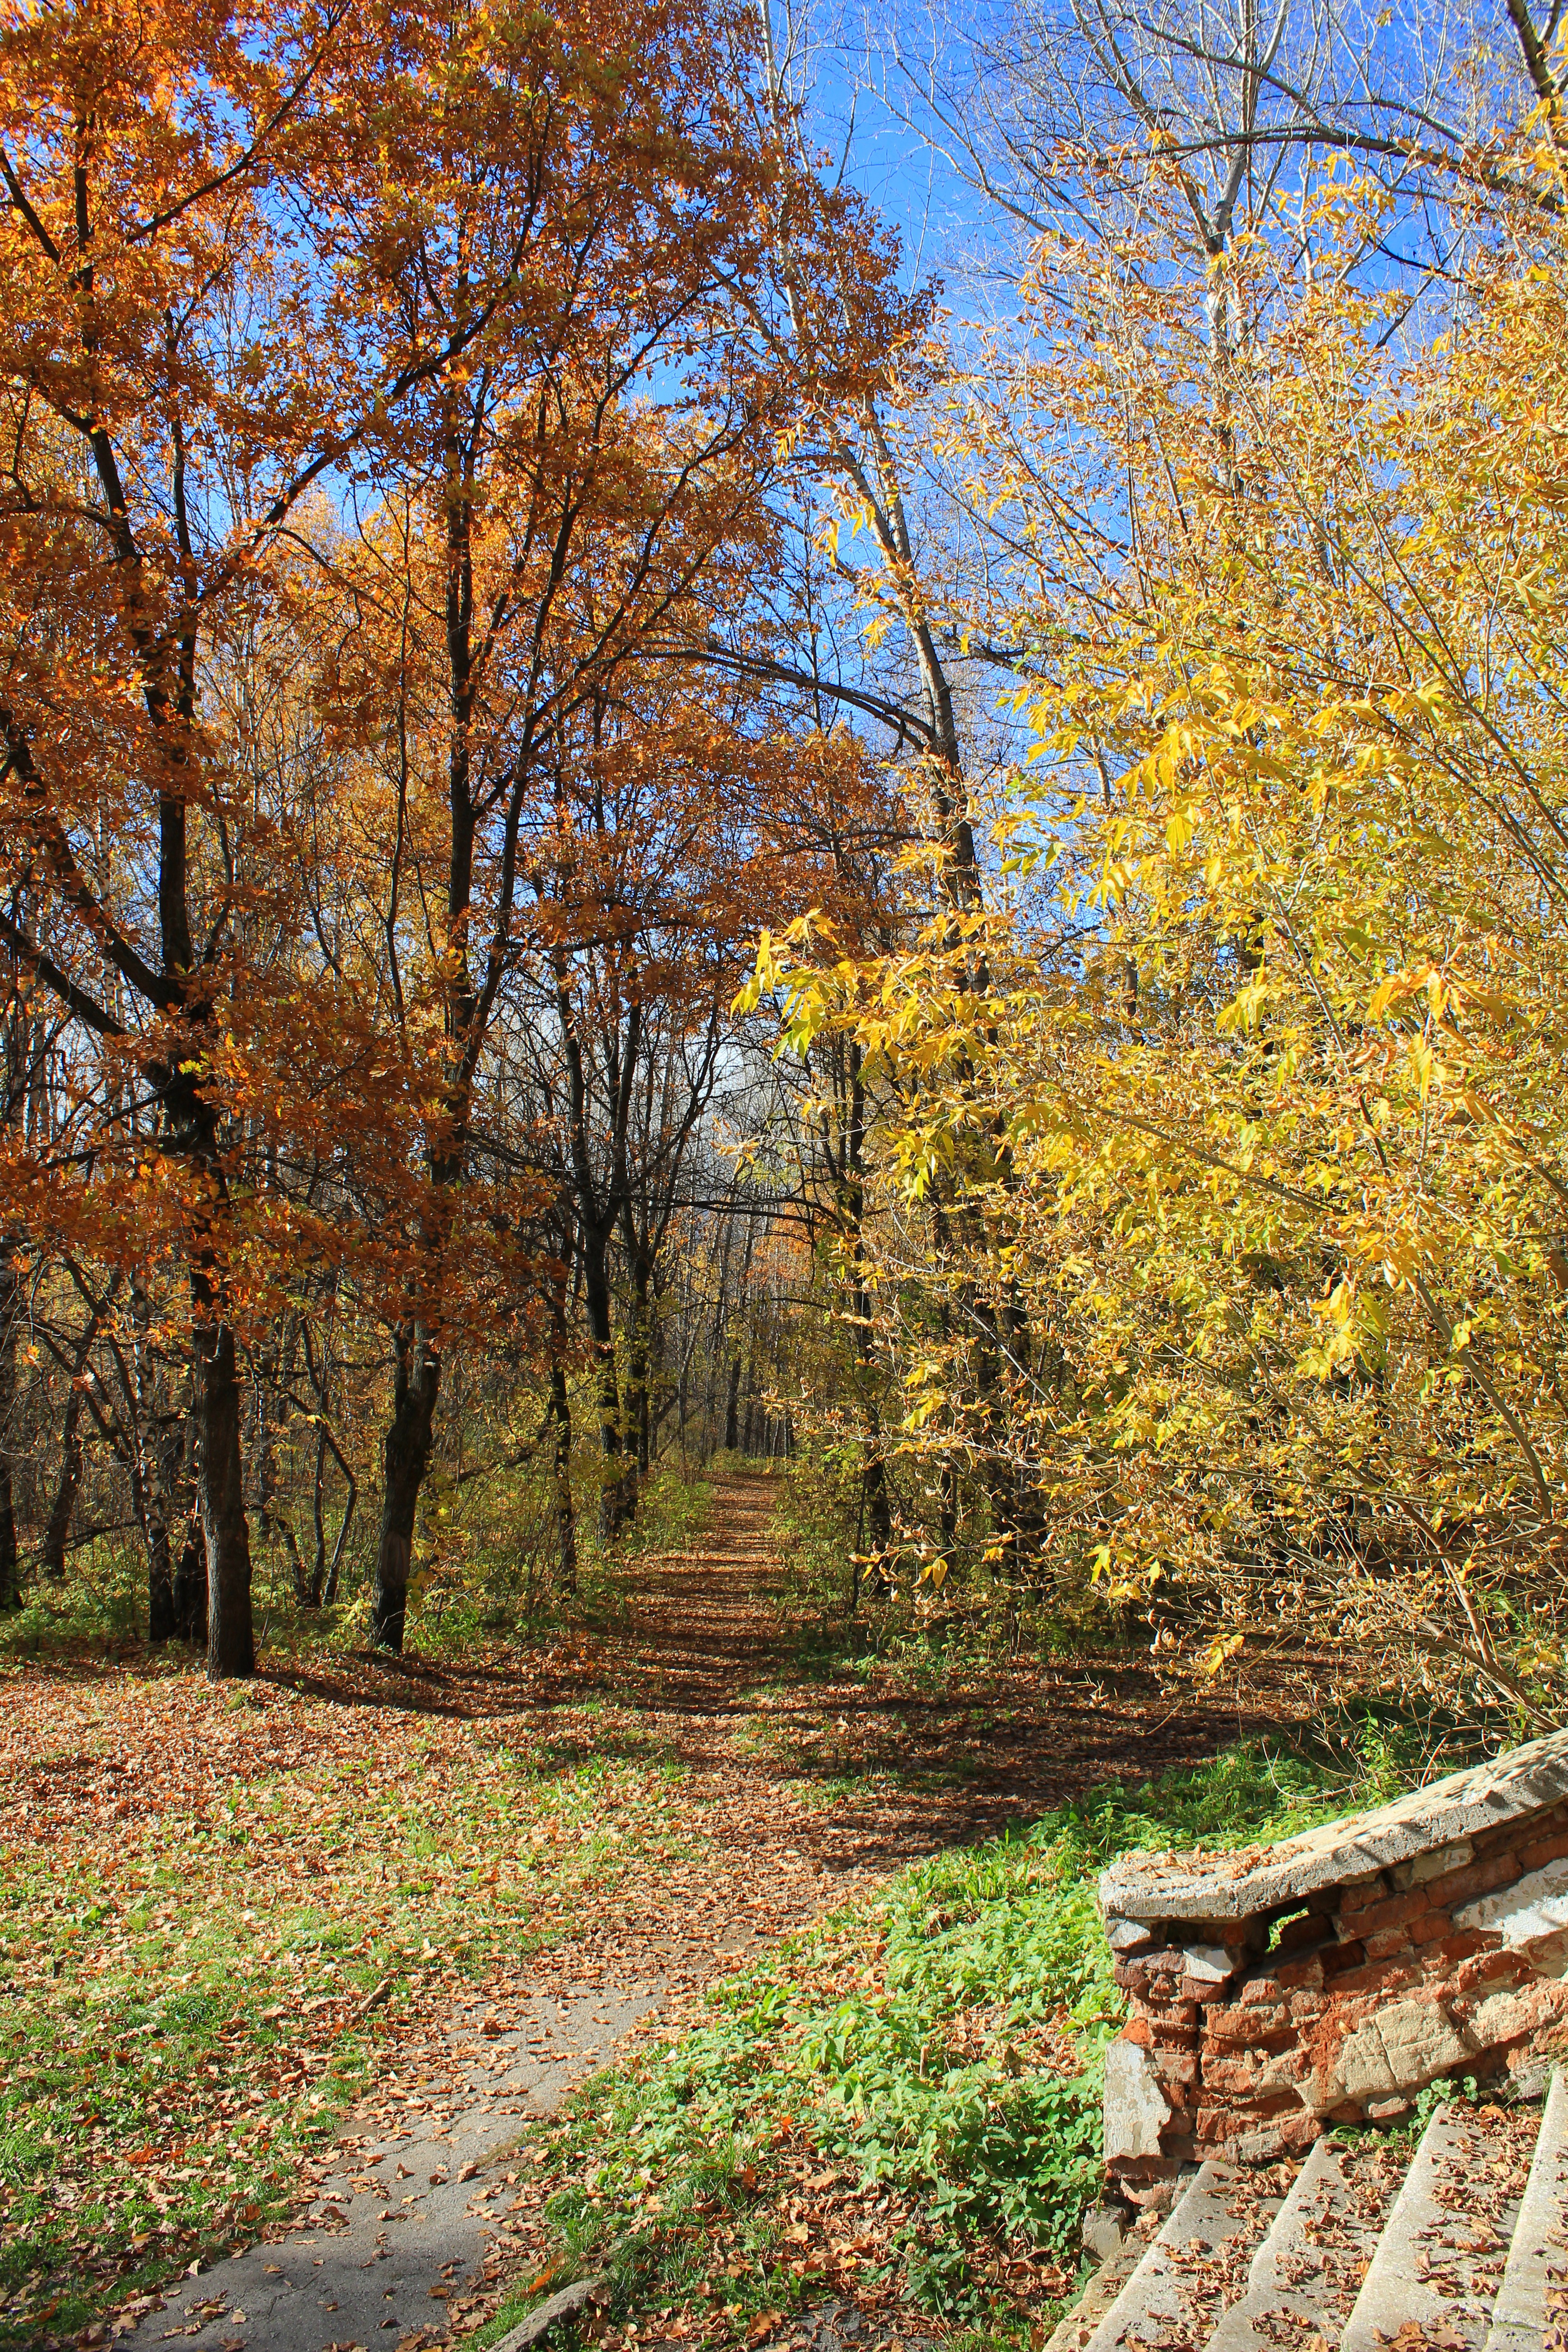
<point>182,2012</point>
<point>939,2050</point>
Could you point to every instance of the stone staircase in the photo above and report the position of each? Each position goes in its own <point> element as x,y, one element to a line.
<point>1461,2246</point>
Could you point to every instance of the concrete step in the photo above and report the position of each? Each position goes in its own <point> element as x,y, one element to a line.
<point>1072,2332</point>
<point>1307,2273</point>
<point>1439,2262</point>
<point>1196,2267</point>
<point>1534,2291</point>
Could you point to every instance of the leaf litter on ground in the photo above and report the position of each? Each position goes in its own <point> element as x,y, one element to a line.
<point>226,1914</point>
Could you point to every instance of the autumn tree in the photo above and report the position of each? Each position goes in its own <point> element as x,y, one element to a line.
<point>247,254</point>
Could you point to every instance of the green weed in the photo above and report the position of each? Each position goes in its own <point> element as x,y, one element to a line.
<point>942,2048</point>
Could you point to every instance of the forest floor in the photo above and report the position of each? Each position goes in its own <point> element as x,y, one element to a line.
<point>259,1943</point>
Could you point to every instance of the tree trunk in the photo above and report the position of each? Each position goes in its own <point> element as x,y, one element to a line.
<point>188,1598</point>
<point>220,1496</point>
<point>161,1626</point>
<point>191,1582</point>
<point>56,1527</point>
<point>566,1508</point>
<point>214,1406</point>
<point>560,1431</point>
<point>273,1370</point>
<point>154,1468</point>
<point>149,1506</point>
<point>732,1407</point>
<point>405,1456</point>
<point>601,1339</point>
<point>10,1581</point>
<point>733,1401</point>
<point>638,1433</point>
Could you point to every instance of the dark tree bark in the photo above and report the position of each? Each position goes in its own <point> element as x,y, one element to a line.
<point>220,1500</point>
<point>561,1473</point>
<point>597,1312</point>
<point>10,1578</point>
<point>638,1418</point>
<point>564,1503</point>
<point>158,1442</point>
<point>732,1397</point>
<point>56,1526</point>
<point>161,1626</point>
<point>406,1457</point>
<point>177,1586</point>
<point>62,1508</point>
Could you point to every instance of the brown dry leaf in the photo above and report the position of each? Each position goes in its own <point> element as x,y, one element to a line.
<point>114,1779</point>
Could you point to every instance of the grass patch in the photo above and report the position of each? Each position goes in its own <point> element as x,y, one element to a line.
<point>903,2107</point>
<point>197,1901</point>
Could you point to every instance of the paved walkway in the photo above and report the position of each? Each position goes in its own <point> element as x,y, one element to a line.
<point>388,2245</point>
<point>408,2235</point>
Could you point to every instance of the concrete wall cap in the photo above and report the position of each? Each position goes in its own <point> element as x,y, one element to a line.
<point>1237,1885</point>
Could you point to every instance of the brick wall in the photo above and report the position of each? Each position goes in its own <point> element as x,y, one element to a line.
<point>1335,2001</point>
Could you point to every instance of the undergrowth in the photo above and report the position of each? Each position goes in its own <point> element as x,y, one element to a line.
<point>931,2060</point>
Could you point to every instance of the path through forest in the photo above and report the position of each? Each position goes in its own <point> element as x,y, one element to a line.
<point>808,1787</point>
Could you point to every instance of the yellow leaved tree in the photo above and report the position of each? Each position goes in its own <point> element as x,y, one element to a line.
<point>1252,1072</point>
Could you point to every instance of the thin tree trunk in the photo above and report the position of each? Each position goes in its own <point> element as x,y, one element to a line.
<point>154,1468</point>
<point>566,1508</point>
<point>563,1502</point>
<point>405,1456</point>
<point>311,1597</point>
<point>220,1495</point>
<point>56,1526</point>
<point>638,1423</point>
<point>602,1339</point>
<point>10,1580</point>
<point>732,1407</point>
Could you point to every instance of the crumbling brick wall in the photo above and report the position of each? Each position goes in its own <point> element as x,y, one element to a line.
<point>1329,1979</point>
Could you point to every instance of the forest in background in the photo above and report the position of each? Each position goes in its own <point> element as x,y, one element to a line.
<point>626,827</point>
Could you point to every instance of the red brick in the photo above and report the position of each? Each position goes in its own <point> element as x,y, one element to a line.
<point>1177,2065</point>
<point>1392,1911</point>
<point>1479,1878</point>
<point>1302,1975</point>
<point>1431,1930</point>
<point>1137,2030</point>
<point>1174,2038</point>
<point>1224,2030</point>
<point>1306,2005</point>
<point>1258,1989</point>
<point>1311,1929</point>
<point>1145,1977</point>
<point>1489,1969</point>
<point>1286,2133</point>
<point>1511,1837</point>
<point>1217,2123</point>
<point>1337,1957</point>
<point>1235,2074</point>
<point>1450,1949</point>
<point>1238,2075</point>
<point>1376,1976</point>
<point>1389,1940</point>
<point>1536,1855</point>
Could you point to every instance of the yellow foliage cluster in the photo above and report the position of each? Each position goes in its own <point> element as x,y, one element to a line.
<point>1228,1147</point>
